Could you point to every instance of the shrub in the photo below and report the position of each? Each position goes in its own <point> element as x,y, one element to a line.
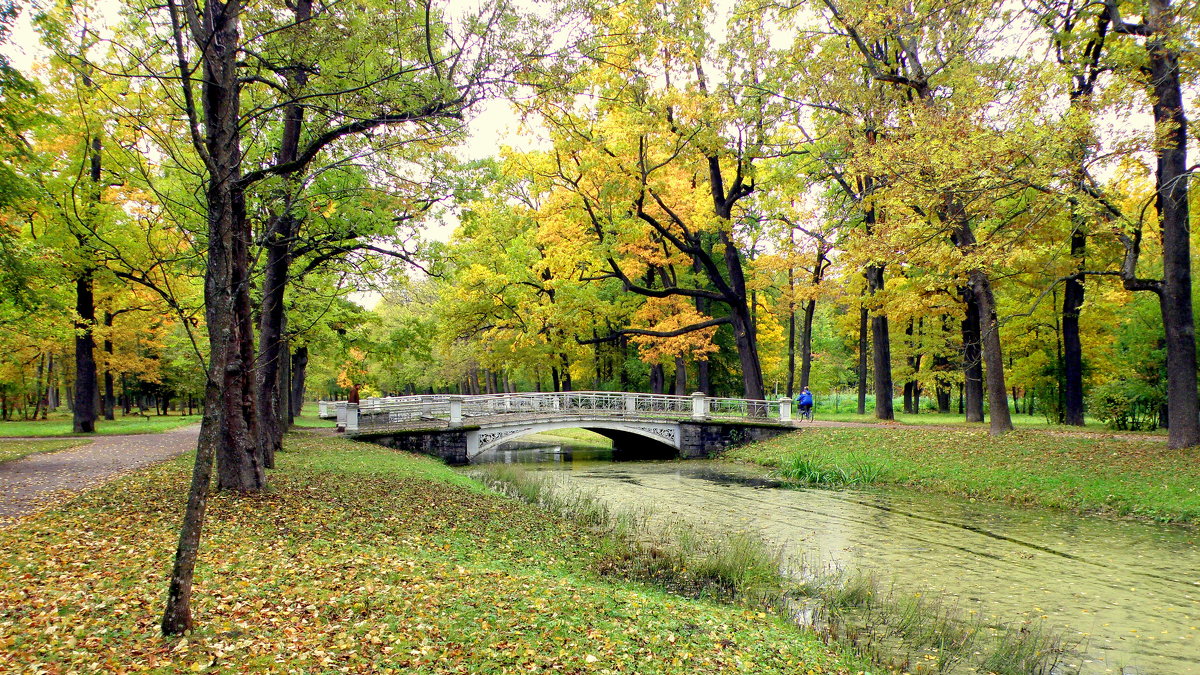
<point>1127,405</point>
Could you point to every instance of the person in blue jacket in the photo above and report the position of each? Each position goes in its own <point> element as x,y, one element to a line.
<point>805,400</point>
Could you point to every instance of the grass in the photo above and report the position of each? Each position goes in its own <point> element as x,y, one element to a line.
<point>308,419</point>
<point>10,450</point>
<point>1138,478</point>
<point>894,630</point>
<point>825,413</point>
<point>59,424</point>
<point>363,560</point>
<point>574,436</point>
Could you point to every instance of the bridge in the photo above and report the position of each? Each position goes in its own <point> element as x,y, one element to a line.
<point>459,428</point>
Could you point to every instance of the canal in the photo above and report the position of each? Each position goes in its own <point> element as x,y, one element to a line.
<point>1126,595</point>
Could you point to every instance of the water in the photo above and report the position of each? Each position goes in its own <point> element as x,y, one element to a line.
<point>1127,593</point>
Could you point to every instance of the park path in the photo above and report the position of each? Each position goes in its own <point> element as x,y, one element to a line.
<point>35,482</point>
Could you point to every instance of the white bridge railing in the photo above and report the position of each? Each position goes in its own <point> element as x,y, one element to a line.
<point>407,412</point>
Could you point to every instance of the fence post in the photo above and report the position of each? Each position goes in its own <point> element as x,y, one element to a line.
<point>456,411</point>
<point>341,416</point>
<point>630,402</point>
<point>699,406</point>
<point>785,409</point>
<point>322,409</point>
<point>351,417</point>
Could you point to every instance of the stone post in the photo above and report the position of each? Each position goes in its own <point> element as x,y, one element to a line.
<point>785,409</point>
<point>699,406</point>
<point>426,407</point>
<point>341,416</point>
<point>322,409</point>
<point>351,417</point>
<point>456,403</point>
<point>630,402</point>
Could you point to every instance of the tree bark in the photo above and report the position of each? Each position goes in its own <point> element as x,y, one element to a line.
<point>1172,199</point>
<point>862,360</point>
<point>972,394</point>
<point>881,351</point>
<point>1072,347</point>
<point>299,370</point>
<point>85,357</point>
<point>810,309</point>
<point>680,376</point>
<point>993,356</point>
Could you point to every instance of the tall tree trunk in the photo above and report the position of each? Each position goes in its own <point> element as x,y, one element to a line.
<point>1000,420</point>
<point>680,376</point>
<point>281,233</point>
<point>972,394</point>
<point>228,428</point>
<point>1172,199</point>
<point>299,370</point>
<point>810,309</point>
<point>791,366</point>
<point>110,401</point>
<point>85,356</point>
<point>881,350</point>
<point>704,377</point>
<point>861,372</point>
<point>1072,347</point>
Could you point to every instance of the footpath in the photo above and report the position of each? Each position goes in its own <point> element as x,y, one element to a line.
<point>35,482</point>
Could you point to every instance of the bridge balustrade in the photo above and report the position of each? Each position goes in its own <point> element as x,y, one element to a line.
<point>410,412</point>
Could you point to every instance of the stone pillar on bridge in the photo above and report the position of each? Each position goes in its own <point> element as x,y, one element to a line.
<point>699,406</point>
<point>785,409</point>
<point>630,402</point>
<point>341,415</point>
<point>456,416</point>
<point>351,417</point>
<point>426,407</point>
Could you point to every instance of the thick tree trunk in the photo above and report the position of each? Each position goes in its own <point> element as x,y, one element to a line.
<point>993,355</point>
<point>810,308</point>
<point>972,393</point>
<point>270,338</point>
<point>1172,199</point>
<point>861,372</point>
<point>299,370</point>
<point>747,346</point>
<point>85,355</point>
<point>881,350</point>
<point>680,377</point>
<point>657,378</point>
<point>1072,347</point>
<point>791,366</point>
<point>704,377</point>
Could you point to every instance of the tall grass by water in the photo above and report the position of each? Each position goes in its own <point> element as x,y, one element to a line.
<point>903,631</point>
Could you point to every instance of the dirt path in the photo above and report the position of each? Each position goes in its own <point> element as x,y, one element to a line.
<point>36,482</point>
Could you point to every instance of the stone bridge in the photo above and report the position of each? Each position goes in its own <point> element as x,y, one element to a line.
<point>458,428</point>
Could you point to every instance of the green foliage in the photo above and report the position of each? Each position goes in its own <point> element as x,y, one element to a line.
<point>1127,405</point>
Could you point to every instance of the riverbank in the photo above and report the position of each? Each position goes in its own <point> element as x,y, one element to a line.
<point>1104,475</point>
<point>359,559</point>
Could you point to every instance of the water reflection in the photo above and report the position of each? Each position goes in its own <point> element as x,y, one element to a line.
<point>1127,592</point>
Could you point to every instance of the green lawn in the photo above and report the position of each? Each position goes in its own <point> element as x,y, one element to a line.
<point>1021,421</point>
<point>59,424</point>
<point>1092,474</point>
<point>359,560</point>
<point>10,450</point>
<point>308,418</point>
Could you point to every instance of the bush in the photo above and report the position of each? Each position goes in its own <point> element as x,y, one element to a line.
<point>1127,405</point>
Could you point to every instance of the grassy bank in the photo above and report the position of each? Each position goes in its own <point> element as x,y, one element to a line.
<point>825,412</point>
<point>59,424</point>
<point>573,436</point>
<point>10,450</point>
<point>1090,474</point>
<point>361,560</point>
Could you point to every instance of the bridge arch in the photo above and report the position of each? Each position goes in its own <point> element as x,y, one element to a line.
<point>663,433</point>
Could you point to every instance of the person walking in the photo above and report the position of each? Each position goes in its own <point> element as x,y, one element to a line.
<point>805,400</point>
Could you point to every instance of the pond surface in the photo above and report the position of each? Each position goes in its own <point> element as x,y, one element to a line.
<point>1127,593</point>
